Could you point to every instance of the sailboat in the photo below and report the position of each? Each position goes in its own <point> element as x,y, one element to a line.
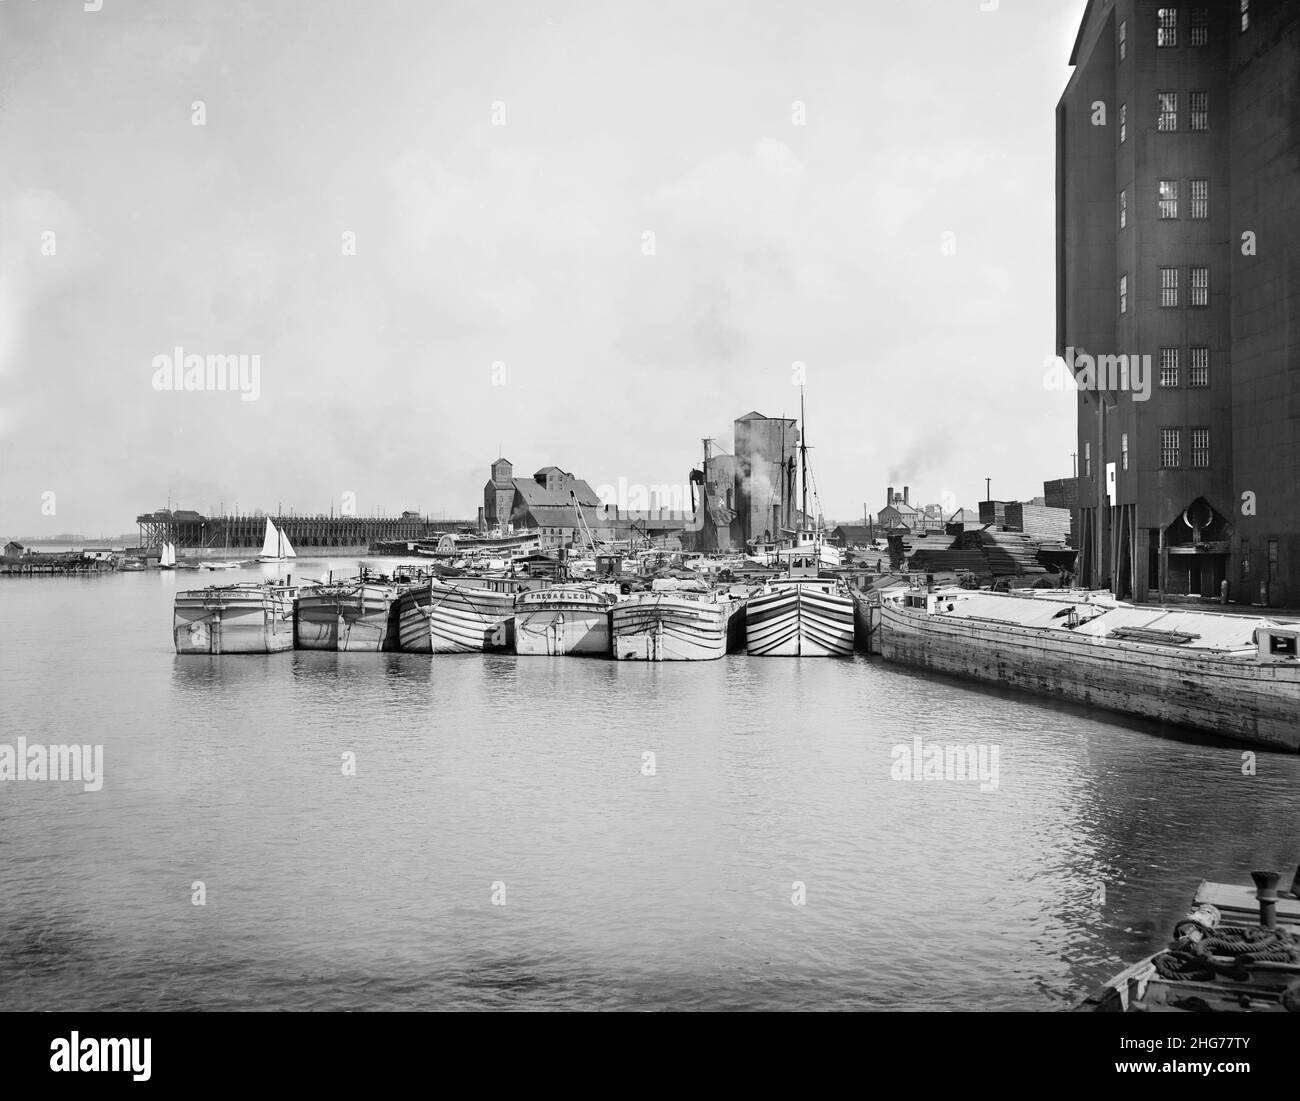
<point>802,614</point>
<point>167,559</point>
<point>275,545</point>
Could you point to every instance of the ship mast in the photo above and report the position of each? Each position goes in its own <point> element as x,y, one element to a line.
<point>803,461</point>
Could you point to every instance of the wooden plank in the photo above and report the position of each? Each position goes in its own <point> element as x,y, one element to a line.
<point>1242,900</point>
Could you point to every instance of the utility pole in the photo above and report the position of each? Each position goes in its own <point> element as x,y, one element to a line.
<point>987,493</point>
<point>1074,462</point>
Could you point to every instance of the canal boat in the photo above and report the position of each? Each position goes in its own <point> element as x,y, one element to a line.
<point>1237,676</point>
<point>351,614</point>
<point>677,621</point>
<point>247,618</point>
<point>1236,951</point>
<point>565,620</point>
<point>464,616</point>
<point>801,617</point>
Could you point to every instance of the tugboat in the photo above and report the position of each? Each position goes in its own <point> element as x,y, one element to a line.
<point>1220,960</point>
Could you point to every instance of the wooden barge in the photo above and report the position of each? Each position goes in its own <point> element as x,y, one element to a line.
<point>248,618</point>
<point>1232,675</point>
<point>1221,959</point>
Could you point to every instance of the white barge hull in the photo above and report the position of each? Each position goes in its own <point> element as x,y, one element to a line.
<point>800,622</point>
<point>235,619</point>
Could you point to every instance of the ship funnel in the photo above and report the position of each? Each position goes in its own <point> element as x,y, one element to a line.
<point>1266,884</point>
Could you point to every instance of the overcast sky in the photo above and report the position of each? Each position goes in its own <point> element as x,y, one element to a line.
<point>500,165</point>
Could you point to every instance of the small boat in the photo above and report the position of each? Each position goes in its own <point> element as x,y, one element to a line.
<point>1236,951</point>
<point>677,621</point>
<point>131,565</point>
<point>467,616</point>
<point>167,558</point>
<point>275,545</point>
<point>353,614</point>
<point>801,617</point>
<point>248,618</point>
<point>564,619</point>
<point>218,566</point>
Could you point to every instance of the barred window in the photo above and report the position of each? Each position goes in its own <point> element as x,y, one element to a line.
<point>1200,448</point>
<point>1168,366</point>
<point>1123,209</point>
<point>1198,371</point>
<point>1200,286</point>
<point>1123,122</point>
<point>1200,110</point>
<point>1198,33</point>
<point>1167,102</point>
<point>1169,286</point>
<point>1123,451</point>
<point>1123,39</point>
<point>1245,16</point>
<point>1167,27</point>
<point>1168,199</point>
<point>1171,447</point>
<point>1123,294</point>
<point>1200,199</point>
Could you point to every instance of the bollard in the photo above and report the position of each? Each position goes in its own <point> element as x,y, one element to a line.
<point>1223,591</point>
<point>1266,884</point>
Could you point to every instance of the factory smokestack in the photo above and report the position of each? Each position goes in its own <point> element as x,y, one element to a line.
<point>889,495</point>
<point>905,492</point>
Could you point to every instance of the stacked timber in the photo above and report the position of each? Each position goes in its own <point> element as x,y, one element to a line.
<point>952,561</point>
<point>1048,525</point>
<point>1008,553</point>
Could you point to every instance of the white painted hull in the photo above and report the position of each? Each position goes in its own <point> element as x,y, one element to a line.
<point>798,621</point>
<point>449,619</point>
<point>234,619</point>
<point>562,621</point>
<point>1235,698</point>
<point>346,617</point>
<point>672,627</point>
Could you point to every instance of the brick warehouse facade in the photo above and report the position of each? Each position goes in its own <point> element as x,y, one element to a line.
<point>1178,212</point>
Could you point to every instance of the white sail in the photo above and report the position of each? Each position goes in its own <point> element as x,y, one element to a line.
<point>270,541</point>
<point>168,555</point>
<point>286,548</point>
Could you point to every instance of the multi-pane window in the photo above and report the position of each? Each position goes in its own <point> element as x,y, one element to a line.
<point>1123,294</point>
<point>1245,16</point>
<point>1167,104</point>
<point>1123,39</point>
<point>1198,33</point>
<point>1168,199</point>
<point>1273,572</point>
<point>1123,451</point>
<point>1123,209</point>
<point>1123,122</point>
<point>1200,110</point>
<point>1171,447</point>
<point>1200,278</point>
<point>1169,286</point>
<point>1168,366</point>
<point>1198,371</point>
<point>1087,460</point>
<point>1200,199</point>
<point>1200,447</point>
<point>1167,27</point>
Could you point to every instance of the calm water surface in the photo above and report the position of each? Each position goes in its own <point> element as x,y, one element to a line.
<point>523,777</point>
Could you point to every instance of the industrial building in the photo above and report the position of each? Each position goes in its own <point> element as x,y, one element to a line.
<point>753,493</point>
<point>1178,270</point>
